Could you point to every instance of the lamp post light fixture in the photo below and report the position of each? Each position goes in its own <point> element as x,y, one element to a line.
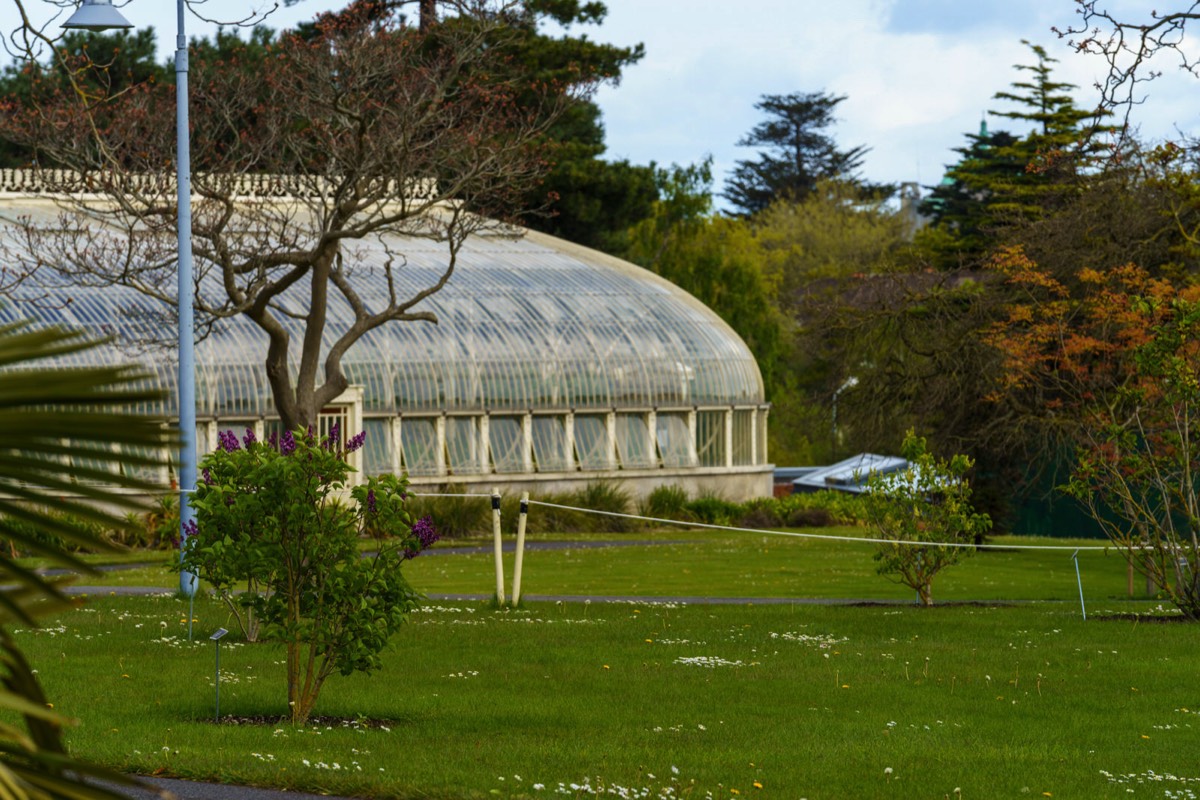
<point>99,15</point>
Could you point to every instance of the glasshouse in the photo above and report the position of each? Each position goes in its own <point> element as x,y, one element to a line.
<point>550,366</point>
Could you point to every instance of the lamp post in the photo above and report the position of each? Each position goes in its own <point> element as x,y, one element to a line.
<point>100,15</point>
<point>850,383</point>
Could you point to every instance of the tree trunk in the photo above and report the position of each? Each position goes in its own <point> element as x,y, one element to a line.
<point>428,14</point>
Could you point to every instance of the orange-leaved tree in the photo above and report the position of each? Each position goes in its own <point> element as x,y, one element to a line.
<point>1114,358</point>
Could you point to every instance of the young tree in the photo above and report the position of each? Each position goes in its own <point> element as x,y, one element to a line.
<point>273,514</point>
<point>363,129</point>
<point>795,151</point>
<point>929,501</point>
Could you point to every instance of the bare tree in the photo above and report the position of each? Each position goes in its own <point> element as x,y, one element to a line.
<point>368,128</point>
<point>1129,45</point>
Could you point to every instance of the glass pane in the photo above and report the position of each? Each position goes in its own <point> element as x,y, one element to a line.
<point>591,442</point>
<point>90,454</point>
<point>273,427</point>
<point>418,442</point>
<point>130,456</point>
<point>710,438</point>
<point>633,441</point>
<point>743,437</point>
<point>462,445</point>
<point>550,443</point>
<point>675,443</point>
<point>507,443</point>
<point>377,449</point>
<point>334,415</point>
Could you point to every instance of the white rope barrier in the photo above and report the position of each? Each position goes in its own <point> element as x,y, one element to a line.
<point>826,536</point>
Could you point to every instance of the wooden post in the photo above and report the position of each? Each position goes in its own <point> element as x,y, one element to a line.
<point>516,592</point>
<point>499,552</point>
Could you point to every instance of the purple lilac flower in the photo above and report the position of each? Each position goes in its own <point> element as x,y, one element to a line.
<point>273,440</point>
<point>335,436</point>
<point>207,475</point>
<point>189,530</point>
<point>249,438</point>
<point>356,442</point>
<point>228,441</point>
<point>371,506</point>
<point>425,534</point>
<point>287,443</point>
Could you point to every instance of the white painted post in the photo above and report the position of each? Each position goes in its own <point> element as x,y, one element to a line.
<point>652,439</point>
<point>610,435</point>
<point>729,437</point>
<point>485,444</point>
<point>754,437</point>
<point>397,449</point>
<point>499,552</point>
<point>211,433</point>
<point>569,442</point>
<point>693,446</point>
<point>440,455</point>
<point>527,442</point>
<point>520,558</point>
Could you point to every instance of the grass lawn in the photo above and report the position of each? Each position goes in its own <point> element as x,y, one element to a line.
<point>692,563</point>
<point>704,701</point>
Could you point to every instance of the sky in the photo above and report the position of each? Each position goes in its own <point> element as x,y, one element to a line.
<point>918,75</point>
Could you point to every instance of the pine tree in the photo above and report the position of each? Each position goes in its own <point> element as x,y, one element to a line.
<point>1064,141</point>
<point>796,152</point>
<point>1004,179</point>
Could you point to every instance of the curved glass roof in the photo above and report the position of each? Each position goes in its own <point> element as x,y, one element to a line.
<point>526,322</point>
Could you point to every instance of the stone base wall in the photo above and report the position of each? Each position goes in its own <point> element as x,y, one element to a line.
<point>738,484</point>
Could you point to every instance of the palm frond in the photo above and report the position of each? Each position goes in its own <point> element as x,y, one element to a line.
<point>70,457</point>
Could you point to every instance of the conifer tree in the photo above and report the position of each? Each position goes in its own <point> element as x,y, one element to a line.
<point>1003,178</point>
<point>796,152</point>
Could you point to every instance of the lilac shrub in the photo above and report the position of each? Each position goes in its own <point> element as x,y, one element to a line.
<point>274,516</point>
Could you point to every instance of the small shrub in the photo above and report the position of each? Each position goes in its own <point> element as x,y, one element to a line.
<point>842,508</point>
<point>605,496</point>
<point>39,540</point>
<point>456,517</point>
<point>156,529</point>
<point>547,519</point>
<point>809,518</point>
<point>760,516</point>
<point>713,510</point>
<point>666,502</point>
